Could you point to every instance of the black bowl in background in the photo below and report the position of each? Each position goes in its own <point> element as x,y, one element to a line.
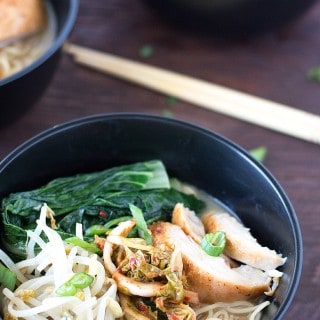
<point>230,17</point>
<point>21,90</point>
<point>190,153</point>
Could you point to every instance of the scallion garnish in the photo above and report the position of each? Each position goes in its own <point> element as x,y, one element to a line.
<point>7,278</point>
<point>80,280</point>
<point>141,223</point>
<point>214,243</point>
<point>259,153</point>
<point>91,247</point>
<point>103,229</point>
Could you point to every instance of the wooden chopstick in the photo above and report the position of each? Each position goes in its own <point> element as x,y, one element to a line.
<point>252,109</point>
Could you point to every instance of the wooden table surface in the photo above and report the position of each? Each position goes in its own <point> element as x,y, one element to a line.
<point>272,66</point>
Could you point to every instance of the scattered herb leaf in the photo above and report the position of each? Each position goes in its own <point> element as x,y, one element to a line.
<point>171,100</point>
<point>313,74</point>
<point>146,51</point>
<point>259,153</point>
<point>167,113</point>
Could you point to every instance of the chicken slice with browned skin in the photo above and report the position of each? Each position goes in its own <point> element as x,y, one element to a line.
<point>241,245</point>
<point>210,276</point>
<point>189,222</point>
<point>20,17</point>
<point>192,225</point>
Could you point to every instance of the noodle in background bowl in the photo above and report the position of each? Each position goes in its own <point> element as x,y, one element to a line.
<point>191,153</point>
<point>23,88</point>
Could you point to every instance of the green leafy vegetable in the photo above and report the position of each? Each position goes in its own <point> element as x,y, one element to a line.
<point>141,224</point>
<point>214,243</point>
<point>93,199</point>
<point>7,278</point>
<point>259,153</point>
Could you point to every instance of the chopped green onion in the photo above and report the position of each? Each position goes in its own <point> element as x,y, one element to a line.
<point>91,247</point>
<point>116,221</point>
<point>313,74</point>
<point>67,289</point>
<point>80,280</point>
<point>141,223</point>
<point>214,243</point>
<point>103,229</point>
<point>7,278</point>
<point>167,113</point>
<point>171,100</point>
<point>97,229</point>
<point>259,153</point>
<point>146,51</point>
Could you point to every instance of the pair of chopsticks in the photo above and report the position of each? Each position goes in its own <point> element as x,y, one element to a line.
<point>252,109</point>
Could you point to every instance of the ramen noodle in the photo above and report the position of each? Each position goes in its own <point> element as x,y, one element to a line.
<point>17,55</point>
<point>39,275</point>
<point>142,254</point>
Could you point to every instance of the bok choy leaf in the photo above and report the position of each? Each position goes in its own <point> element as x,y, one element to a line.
<point>93,199</point>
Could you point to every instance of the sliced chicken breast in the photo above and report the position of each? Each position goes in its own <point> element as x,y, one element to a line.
<point>20,17</point>
<point>241,245</point>
<point>210,276</point>
<point>192,225</point>
<point>188,221</point>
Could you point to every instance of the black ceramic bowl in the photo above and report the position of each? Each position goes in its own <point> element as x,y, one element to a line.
<point>190,153</point>
<point>230,17</point>
<point>21,90</point>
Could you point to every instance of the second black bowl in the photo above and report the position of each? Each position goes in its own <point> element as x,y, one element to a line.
<point>230,17</point>
<point>22,89</point>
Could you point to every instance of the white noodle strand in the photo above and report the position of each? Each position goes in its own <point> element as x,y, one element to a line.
<point>36,298</point>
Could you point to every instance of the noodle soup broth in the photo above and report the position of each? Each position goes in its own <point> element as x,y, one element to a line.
<point>18,55</point>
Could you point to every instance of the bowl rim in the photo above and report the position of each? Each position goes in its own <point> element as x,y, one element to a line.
<point>85,120</point>
<point>58,42</point>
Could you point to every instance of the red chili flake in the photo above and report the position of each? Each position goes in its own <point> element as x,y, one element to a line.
<point>132,261</point>
<point>142,307</point>
<point>102,214</point>
<point>172,316</point>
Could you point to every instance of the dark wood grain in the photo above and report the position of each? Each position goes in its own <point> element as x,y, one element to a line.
<point>272,66</point>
